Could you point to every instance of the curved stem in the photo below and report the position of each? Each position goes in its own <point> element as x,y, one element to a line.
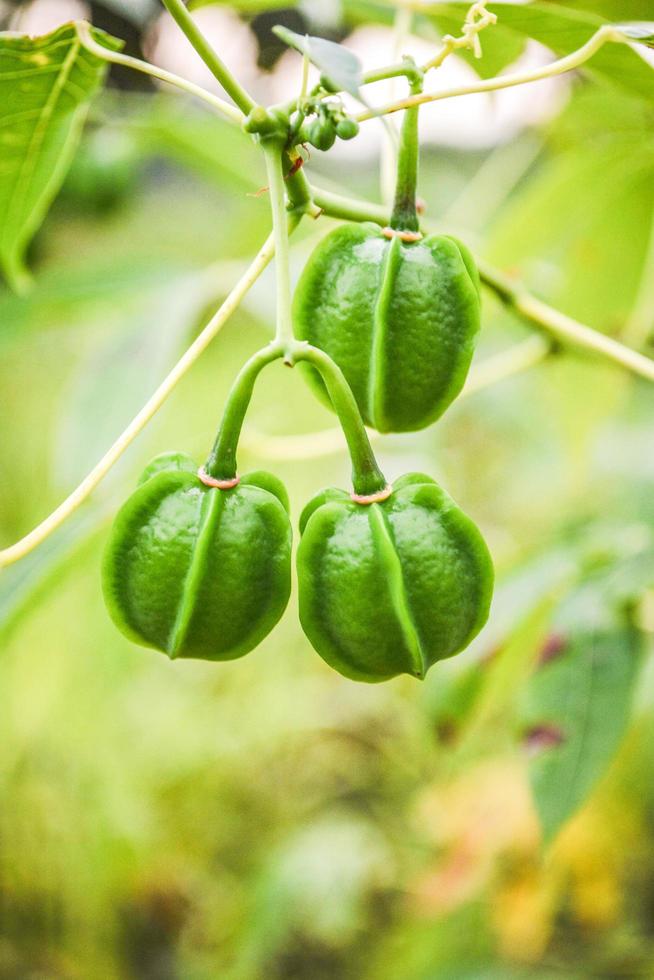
<point>562,328</point>
<point>367,478</point>
<point>497,368</point>
<point>604,35</point>
<point>216,66</point>
<point>138,423</point>
<point>274,155</point>
<point>115,57</point>
<point>221,463</point>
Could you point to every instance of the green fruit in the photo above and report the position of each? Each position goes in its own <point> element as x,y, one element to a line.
<point>347,129</point>
<point>197,571</point>
<point>400,318</point>
<point>322,132</point>
<point>391,587</point>
<point>266,123</point>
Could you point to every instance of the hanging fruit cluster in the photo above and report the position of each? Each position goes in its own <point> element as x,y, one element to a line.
<point>391,578</point>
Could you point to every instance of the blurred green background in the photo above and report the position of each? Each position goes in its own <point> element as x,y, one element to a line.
<point>267,818</point>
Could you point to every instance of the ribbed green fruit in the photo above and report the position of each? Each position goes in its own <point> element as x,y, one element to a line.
<point>399,318</point>
<point>391,587</point>
<point>197,571</point>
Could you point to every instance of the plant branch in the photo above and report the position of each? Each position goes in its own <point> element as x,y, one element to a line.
<point>226,110</point>
<point>214,63</point>
<point>221,463</point>
<point>561,327</point>
<point>604,35</point>
<point>557,325</point>
<point>138,423</point>
<point>284,327</point>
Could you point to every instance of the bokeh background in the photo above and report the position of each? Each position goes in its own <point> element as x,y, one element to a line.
<point>267,818</point>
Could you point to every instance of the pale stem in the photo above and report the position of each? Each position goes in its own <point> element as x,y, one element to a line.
<point>304,86</point>
<point>603,36</point>
<point>214,63</point>
<point>97,474</point>
<point>388,156</point>
<point>226,110</point>
<point>277,193</point>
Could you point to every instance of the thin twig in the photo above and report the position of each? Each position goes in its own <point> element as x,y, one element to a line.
<point>603,36</point>
<point>226,110</point>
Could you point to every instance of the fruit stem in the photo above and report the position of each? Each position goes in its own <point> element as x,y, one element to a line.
<point>221,463</point>
<point>367,478</point>
<point>273,152</point>
<point>405,215</point>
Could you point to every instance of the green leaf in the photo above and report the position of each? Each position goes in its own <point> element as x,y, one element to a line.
<point>614,10</point>
<point>46,84</point>
<point>564,30</point>
<point>132,360</point>
<point>335,62</point>
<point>575,711</point>
<point>510,666</point>
<point>22,584</point>
<point>642,32</point>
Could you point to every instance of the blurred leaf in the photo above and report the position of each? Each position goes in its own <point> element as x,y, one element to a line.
<point>46,84</point>
<point>22,584</point>
<point>206,145</point>
<point>575,712</point>
<point>116,379</point>
<point>567,229</point>
<point>336,63</point>
<point>643,32</point>
<point>565,31</point>
<point>451,697</point>
<point>510,665</point>
<point>614,10</point>
<point>500,46</point>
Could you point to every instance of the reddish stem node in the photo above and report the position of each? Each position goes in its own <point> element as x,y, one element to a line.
<point>404,236</point>
<point>210,481</point>
<point>372,498</point>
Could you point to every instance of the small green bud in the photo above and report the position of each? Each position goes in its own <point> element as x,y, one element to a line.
<point>321,133</point>
<point>265,122</point>
<point>347,129</point>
